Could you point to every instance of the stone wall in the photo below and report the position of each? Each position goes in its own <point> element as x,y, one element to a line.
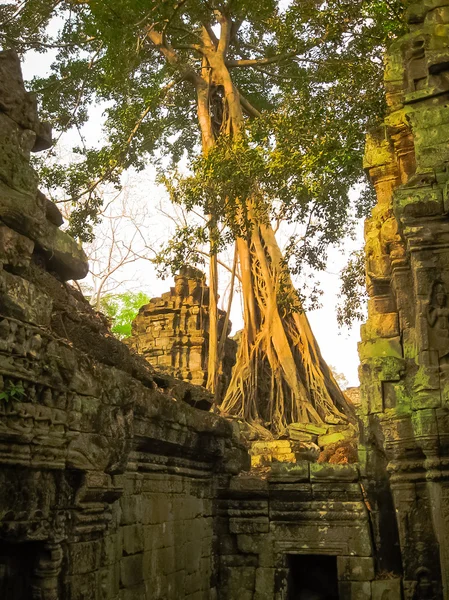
<point>297,511</point>
<point>405,342</point>
<point>108,472</point>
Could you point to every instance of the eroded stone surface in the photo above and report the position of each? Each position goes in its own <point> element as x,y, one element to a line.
<point>405,343</point>
<point>172,332</point>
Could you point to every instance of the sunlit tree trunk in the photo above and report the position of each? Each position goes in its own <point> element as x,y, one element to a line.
<point>280,376</point>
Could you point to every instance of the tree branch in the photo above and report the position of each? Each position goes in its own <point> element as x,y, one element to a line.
<point>249,108</point>
<point>254,62</point>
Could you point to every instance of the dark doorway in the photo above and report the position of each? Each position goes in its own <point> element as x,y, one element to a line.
<point>17,562</point>
<point>312,577</point>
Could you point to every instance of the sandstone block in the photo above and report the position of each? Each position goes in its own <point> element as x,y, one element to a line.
<point>333,472</point>
<point>15,249</point>
<point>15,145</point>
<point>249,525</point>
<point>131,571</point>
<point>290,473</point>
<point>15,101</point>
<point>22,213</point>
<point>84,557</point>
<point>388,588</point>
<point>382,326</point>
<point>22,300</point>
<point>335,437</point>
<point>132,536</point>
<point>354,590</point>
<point>355,568</point>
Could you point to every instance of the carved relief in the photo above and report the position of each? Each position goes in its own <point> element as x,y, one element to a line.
<point>172,332</point>
<point>437,313</point>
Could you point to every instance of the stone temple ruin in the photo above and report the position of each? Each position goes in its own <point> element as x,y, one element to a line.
<point>117,483</point>
<point>172,332</point>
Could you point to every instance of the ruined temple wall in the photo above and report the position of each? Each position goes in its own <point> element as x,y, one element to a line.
<point>108,472</point>
<point>404,349</point>
<point>296,511</point>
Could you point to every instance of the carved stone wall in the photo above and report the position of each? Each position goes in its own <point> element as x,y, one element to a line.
<point>116,483</point>
<point>306,510</point>
<point>172,332</point>
<point>404,350</point>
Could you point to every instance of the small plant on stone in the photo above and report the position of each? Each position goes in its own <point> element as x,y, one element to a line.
<point>12,391</point>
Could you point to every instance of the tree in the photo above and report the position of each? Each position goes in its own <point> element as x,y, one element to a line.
<point>282,96</point>
<point>122,309</point>
<point>121,240</point>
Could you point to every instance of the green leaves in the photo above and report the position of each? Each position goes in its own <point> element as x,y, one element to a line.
<point>12,391</point>
<point>318,91</point>
<point>352,291</point>
<point>122,309</point>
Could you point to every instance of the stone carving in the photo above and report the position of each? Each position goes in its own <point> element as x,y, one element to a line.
<point>172,331</point>
<point>424,586</point>
<point>438,319</point>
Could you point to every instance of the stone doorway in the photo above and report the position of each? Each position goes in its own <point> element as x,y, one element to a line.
<point>17,562</point>
<point>312,577</point>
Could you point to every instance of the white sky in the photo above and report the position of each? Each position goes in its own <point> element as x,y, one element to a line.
<point>338,346</point>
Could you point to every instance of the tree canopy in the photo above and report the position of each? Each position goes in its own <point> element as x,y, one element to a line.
<point>309,73</point>
<point>267,102</point>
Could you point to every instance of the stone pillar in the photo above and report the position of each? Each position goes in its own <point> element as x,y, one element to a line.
<point>405,343</point>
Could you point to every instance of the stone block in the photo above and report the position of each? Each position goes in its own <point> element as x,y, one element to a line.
<point>320,472</point>
<point>83,557</point>
<point>22,300</point>
<point>249,525</point>
<point>15,249</point>
<point>354,590</point>
<point>244,486</point>
<point>355,568</point>
<point>15,101</point>
<point>132,510</point>
<point>135,592</point>
<point>132,536</point>
<point>290,472</point>
<point>382,347</point>
<point>386,588</point>
<point>15,146</point>
<point>108,582</point>
<point>250,544</point>
<point>265,583</point>
<point>336,437</point>
<point>111,550</point>
<point>382,326</point>
<point>131,570</point>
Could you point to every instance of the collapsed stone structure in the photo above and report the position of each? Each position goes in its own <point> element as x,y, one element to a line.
<point>172,332</point>
<point>115,481</point>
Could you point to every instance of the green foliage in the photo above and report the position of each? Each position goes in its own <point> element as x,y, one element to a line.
<point>122,310</point>
<point>297,161</point>
<point>352,294</point>
<point>12,391</point>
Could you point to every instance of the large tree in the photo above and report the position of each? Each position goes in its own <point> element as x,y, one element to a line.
<point>269,101</point>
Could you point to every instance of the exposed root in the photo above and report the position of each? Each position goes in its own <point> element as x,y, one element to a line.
<point>280,376</point>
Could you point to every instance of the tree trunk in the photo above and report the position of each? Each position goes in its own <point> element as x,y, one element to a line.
<point>280,376</point>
